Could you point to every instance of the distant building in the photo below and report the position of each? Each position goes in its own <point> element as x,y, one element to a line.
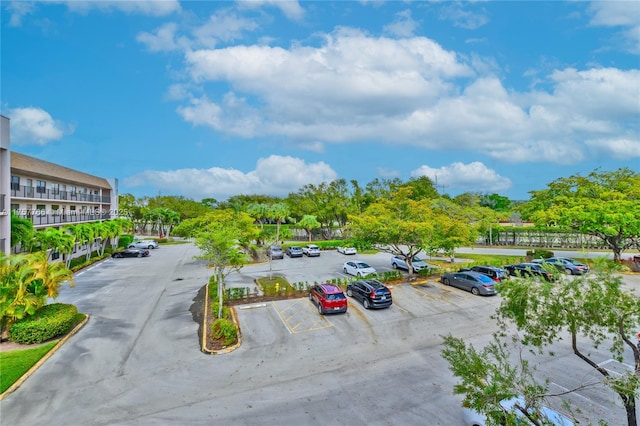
<point>48,194</point>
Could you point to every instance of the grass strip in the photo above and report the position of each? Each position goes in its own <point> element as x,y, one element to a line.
<point>14,364</point>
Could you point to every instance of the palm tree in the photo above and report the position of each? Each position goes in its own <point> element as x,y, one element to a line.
<point>278,212</point>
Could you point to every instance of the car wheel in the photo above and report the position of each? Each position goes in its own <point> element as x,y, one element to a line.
<point>366,304</point>
<point>150,247</point>
<point>360,274</point>
<point>139,255</point>
<point>349,292</point>
<point>568,271</point>
<point>118,255</point>
<point>446,281</point>
<point>320,311</point>
<point>310,297</point>
<point>345,270</point>
<point>475,291</point>
<point>394,266</point>
<point>131,247</point>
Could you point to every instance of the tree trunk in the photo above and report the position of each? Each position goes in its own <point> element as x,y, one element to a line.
<point>630,407</point>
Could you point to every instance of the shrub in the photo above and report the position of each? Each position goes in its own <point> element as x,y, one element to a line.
<point>125,240</point>
<point>539,254</point>
<point>215,309</point>
<point>225,330</point>
<point>46,323</point>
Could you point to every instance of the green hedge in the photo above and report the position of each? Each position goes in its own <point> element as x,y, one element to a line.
<point>539,254</point>
<point>125,240</point>
<point>48,322</point>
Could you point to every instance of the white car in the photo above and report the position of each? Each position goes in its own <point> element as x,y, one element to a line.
<point>145,244</point>
<point>358,268</point>
<point>311,250</point>
<point>473,418</point>
<point>347,250</point>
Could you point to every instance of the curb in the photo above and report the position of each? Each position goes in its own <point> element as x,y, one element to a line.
<point>42,360</point>
<point>203,343</point>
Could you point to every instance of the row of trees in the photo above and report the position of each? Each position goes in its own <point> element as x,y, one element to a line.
<point>65,240</point>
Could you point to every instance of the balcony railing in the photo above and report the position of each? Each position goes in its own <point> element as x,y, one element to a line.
<point>54,194</point>
<point>56,219</point>
<point>2,205</point>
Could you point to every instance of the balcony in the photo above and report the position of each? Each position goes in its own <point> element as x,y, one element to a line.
<point>64,218</point>
<point>3,209</point>
<point>54,194</point>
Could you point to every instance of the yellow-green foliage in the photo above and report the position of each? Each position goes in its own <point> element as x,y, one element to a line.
<point>225,330</point>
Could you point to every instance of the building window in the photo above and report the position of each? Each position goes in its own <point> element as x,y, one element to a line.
<point>16,209</point>
<point>41,210</point>
<point>72,190</point>
<point>15,183</point>
<point>55,188</point>
<point>41,186</point>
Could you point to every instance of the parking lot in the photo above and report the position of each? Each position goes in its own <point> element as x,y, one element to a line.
<point>138,362</point>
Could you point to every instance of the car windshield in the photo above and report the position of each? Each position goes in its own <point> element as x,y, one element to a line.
<point>335,296</point>
<point>417,259</point>
<point>362,265</point>
<point>484,278</point>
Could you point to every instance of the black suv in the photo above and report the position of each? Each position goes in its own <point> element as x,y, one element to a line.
<point>493,272</point>
<point>372,293</point>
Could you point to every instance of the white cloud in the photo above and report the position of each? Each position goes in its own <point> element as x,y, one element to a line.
<point>142,7</point>
<point>403,25</point>
<point>35,126</point>
<point>274,175</point>
<point>622,14</point>
<point>162,39</point>
<point>290,8</point>
<point>461,16</point>
<point>18,10</point>
<point>616,148</point>
<point>409,91</point>
<point>461,177</point>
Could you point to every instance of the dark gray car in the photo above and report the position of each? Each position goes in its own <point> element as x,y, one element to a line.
<point>372,293</point>
<point>474,282</point>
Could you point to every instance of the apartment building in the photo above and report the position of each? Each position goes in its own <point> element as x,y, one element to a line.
<point>48,194</point>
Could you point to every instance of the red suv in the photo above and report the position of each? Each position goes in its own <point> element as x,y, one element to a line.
<point>328,298</point>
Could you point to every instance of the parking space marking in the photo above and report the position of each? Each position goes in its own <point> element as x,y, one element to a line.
<point>298,317</point>
<point>430,295</point>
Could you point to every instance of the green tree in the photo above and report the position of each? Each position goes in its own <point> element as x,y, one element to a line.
<point>220,239</point>
<point>52,240</point>
<point>309,223</point>
<point>592,310</point>
<point>422,188</point>
<point>329,202</point>
<point>400,226</point>
<point>278,212</point>
<point>496,202</point>
<point>603,204</point>
<point>21,231</point>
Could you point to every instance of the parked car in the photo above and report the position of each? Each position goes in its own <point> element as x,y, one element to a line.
<point>131,252</point>
<point>565,264</point>
<point>311,250</point>
<point>146,244</point>
<point>475,282</point>
<point>529,270</point>
<point>493,272</point>
<point>347,250</point>
<point>328,298</point>
<point>358,268</point>
<point>372,293</point>
<point>473,418</point>
<point>275,252</point>
<point>418,264</point>
<point>294,251</point>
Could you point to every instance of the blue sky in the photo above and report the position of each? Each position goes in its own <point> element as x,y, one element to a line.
<point>212,99</point>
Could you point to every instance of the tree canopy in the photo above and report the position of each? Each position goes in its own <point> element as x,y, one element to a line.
<point>603,204</point>
<point>592,310</point>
